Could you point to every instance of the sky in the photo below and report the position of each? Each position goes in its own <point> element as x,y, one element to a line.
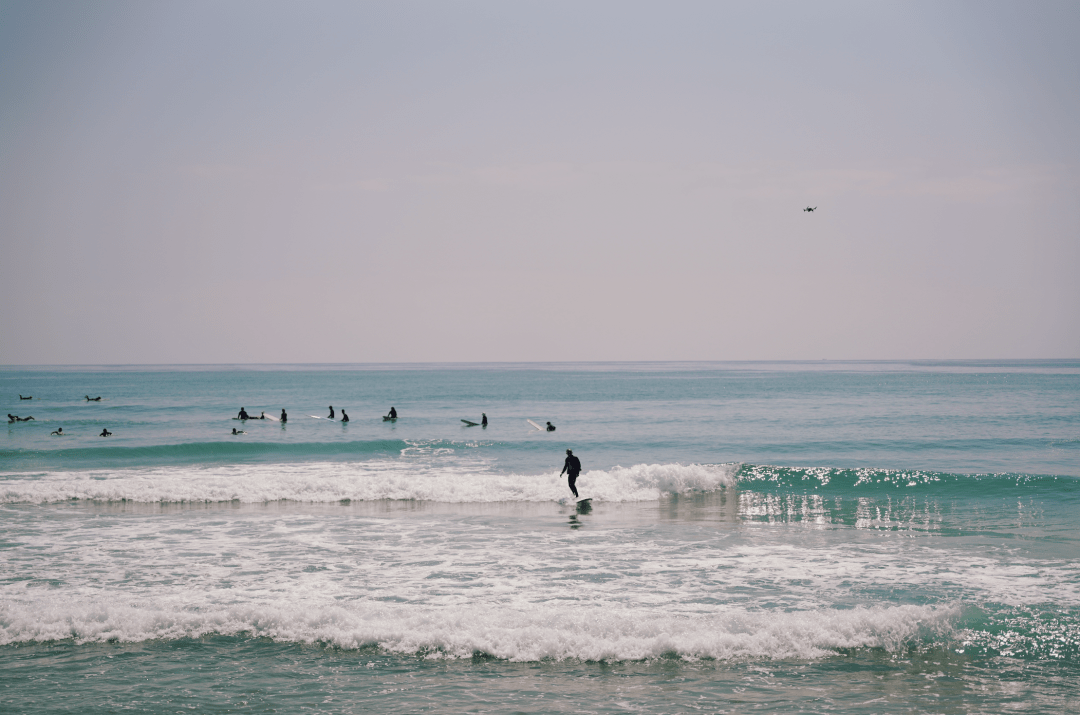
<point>308,182</point>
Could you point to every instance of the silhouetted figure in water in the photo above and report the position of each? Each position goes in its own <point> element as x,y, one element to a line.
<point>331,413</point>
<point>550,427</point>
<point>93,399</point>
<point>284,417</point>
<point>105,433</point>
<point>573,467</point>
<point>59,432</point>
<point>483,419</point>
<point>808,209</point>
<point>393,413</point>
<point>243,415</point>
<point>26,398</point>
<point>236,431</point>
<point>344,417</point>
<point>16,418</point>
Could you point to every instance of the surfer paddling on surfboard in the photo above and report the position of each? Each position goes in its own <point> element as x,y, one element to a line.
<point>573,466</point>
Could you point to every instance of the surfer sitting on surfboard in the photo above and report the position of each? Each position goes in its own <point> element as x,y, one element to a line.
<point>483,420</point>
<point>573,466</point>
<point>392,414</point>
<point>242,415</point>
<point>105,433</point>
<point>344,417</point>
<point>550,427</point>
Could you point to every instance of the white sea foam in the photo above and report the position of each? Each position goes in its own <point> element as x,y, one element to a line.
<point>362,481</point>
<point>542,631</point>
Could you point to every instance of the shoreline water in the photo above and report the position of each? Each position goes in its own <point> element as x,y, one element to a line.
<point>915,548</point>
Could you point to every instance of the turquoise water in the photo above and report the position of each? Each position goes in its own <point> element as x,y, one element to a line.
<point>803,537</point>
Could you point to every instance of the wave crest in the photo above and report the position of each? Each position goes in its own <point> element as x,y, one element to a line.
<point>366,481</point>
<point>540,632</point>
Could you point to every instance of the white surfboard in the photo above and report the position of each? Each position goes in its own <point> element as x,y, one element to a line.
<point>535,425</point>
<point>272,418</point>
<point>322,418</point>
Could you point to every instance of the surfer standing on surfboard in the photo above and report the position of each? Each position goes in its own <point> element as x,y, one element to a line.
<point>573,466</point>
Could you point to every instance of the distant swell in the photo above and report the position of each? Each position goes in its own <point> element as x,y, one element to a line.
<point>202,452</point>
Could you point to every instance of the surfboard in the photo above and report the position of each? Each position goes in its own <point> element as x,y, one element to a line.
<point>321,418</point>
<point>471,424</point>
<point>273,419</point>
<point>535,425</point>
<point>389,419</point>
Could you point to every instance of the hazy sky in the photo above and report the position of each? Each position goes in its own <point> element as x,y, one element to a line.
<point>487,181</point>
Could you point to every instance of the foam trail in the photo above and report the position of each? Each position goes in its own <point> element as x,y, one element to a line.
<point>365,481</point>
<point>539,632</point>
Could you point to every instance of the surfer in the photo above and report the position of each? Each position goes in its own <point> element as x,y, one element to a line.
<point>16,418</point>
<point>573,467</point>
<point>808,209</point>
<point>93,399</point>
<point>483,419</point>
<point>262,415</point>
<point>550,427</point>
<point>393,413</point>
<point>331,413</point>
<point>105,433</point>
<point>235,431</point>
<point>284,417</point>
<point>26,398</point>
<point>243,415</point>
<point>344,417</point>
<point>59,431</point>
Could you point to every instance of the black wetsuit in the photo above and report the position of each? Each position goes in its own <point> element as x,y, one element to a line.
<point>331,413</point>
<point>284,417</point>
<point>243,415</point>
<point>393,414</point>
<point>573,467</point>
<point>344,417</point>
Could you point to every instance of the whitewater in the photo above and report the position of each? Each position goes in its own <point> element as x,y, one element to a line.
<point>875,537</point>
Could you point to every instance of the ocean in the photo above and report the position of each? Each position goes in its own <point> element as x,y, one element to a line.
<point>864,537</point>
